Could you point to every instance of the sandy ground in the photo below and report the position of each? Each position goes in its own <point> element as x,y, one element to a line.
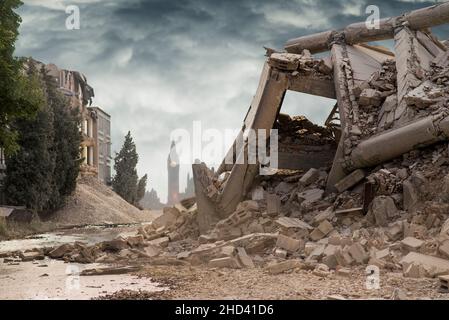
<point>51,279</point>
<point>95,203</point>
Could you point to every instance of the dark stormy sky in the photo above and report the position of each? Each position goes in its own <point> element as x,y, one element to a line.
<point>159,65</point>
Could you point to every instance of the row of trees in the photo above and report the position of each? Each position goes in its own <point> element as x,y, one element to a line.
<point>39,132</point>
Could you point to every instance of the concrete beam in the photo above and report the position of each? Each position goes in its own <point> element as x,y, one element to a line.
<point>359,33</point>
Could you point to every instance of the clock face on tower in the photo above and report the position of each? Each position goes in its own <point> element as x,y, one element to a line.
<point>173,163</point>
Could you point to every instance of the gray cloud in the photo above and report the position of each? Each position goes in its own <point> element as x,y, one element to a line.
<point>158,65</point>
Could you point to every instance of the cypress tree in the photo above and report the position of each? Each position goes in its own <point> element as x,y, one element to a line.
<point>124,182</point>
<point>66,144</point>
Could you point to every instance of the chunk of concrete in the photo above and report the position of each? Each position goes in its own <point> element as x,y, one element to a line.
<point>309,177</point>
<point>383,208</point>
<point>395,230</point>
<point>433,266</point>
<point>167,218</point>
<point>350,180</point>
<point>293,223</point>
<point>370,97</point>
<point>245,259</point>
<point>358,253</point>
<point>310,196</point>
<point>411,243</point>
<point>226,262</point>
<point>60,251</point>
<point>161,242</point>
<point>273,204</point>
<point>410,196</point>
<point>288,243</point>
<point>32,255</point>
<point>323,229</point>
<point>443,249</point>
<point>284,187</point>
<point>277,268</point>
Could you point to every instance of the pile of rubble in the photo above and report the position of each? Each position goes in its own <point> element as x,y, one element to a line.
<point>395,217</point>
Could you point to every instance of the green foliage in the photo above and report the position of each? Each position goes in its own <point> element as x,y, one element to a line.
<point>66,143</point>
<point>125,180</point>
<point>20,96</point>
<point>29,179</point>
<point>141,188</point>
<point>43,172</point>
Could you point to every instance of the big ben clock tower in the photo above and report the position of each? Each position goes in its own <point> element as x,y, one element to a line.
<point>173,175</point>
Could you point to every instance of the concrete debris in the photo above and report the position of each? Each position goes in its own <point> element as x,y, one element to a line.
<point>226,262</point>
<point>417,265</point>
<point>289,244</point>
<point>280,267</point>
<point>371,186</point>
<point>108,271</point>
<point>350,180</point>
<point>412,244</point>
<point>384,209</point>
<point>309,177</point>
<point>273,204</point>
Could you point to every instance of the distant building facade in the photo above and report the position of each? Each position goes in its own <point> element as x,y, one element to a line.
<point>151,201</point>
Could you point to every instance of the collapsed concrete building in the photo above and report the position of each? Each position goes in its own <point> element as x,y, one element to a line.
<point>369,188</point>
<point>388,103</point>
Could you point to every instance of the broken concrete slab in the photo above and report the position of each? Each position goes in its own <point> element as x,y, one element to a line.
<point>443,249</point>
<point>109,271</point>
<point>244,258</point>
<point>60,251</point>
<point>412,244</point>
<point>226,262</point>
<point>32,255</point>
<point>323,229</point>
<point>273,204</point>
<point>168,217</point>
<point>350,180</point>
<point>309,177</point>
<point>288,243</point>
<point>433,266</point>
<point>370,97</point>
<point>410,196</point>
<point>358,253</point>
<point>160,242</point>
<point>310,196</point>
<point>383,208</point>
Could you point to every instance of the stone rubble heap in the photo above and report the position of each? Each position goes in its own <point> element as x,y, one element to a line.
<point>395,216</point>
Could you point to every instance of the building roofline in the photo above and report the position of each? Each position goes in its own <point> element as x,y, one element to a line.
<point>96,107</point>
